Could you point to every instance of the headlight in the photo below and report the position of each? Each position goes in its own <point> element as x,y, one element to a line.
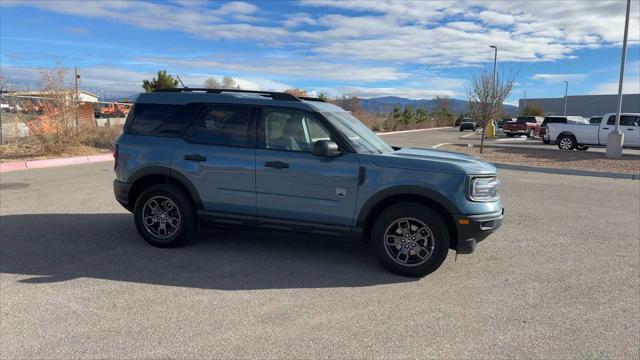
<point>484,189</point>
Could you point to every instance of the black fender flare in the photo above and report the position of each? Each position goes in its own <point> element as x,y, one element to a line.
<point>420,191</point>
<point>170,175</point>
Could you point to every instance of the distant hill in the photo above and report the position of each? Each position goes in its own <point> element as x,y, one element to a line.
<point>385,104</point>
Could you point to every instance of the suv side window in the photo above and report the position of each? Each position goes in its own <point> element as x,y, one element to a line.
<point>160,119</point>
<point>292,130</point>
<point>221,125</point>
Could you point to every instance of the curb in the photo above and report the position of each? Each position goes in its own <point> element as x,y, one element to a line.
<point>440,145</point>
<point>575,172</point>
<point>46,163</point>
<point>410,131</point>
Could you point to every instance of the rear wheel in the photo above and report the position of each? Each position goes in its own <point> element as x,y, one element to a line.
<point>164,215</point>
<point>566,142</point>
<point>410,239</point>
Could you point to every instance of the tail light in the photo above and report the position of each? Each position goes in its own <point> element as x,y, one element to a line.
<point>115,156</point>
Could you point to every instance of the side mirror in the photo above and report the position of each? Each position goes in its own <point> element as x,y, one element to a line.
<point>326,148</point>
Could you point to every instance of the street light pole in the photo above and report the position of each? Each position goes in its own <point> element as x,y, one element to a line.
<point>566,92</point>
<point>615,139</point>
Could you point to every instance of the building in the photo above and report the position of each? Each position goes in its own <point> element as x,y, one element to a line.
<point>585,105</point>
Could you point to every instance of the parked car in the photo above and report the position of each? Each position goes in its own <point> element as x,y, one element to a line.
<point>543,132</point>
<point>524,125</point>
<point>595,120</point>
<point>274,161</point>
<point>468,125</point>
<point>572,136</point>
<point>501,122</point>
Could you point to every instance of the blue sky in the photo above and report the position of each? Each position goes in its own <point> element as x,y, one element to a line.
<point>416,49</point>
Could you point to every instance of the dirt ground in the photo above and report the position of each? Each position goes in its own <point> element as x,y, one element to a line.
<point>579,160</point>
<point>26,151</point>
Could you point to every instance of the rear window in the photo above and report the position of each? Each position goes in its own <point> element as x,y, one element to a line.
<point>161,119</point>
<point>526,119</point>
<point>218,125</point>
<point>625,120</point>
<point>554,120</point>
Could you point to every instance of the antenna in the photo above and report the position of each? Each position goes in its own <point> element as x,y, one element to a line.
<point>181,82</point>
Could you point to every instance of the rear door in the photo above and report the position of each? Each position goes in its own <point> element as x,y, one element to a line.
<point>217,156</point>
<point>295,186</point>
<point>629,126</point>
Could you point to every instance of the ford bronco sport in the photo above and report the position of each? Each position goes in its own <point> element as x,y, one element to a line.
<point>279,162</point>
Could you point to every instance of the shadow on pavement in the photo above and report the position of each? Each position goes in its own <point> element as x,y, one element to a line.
<point>60,247</point>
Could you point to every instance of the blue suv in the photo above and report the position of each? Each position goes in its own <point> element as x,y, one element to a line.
<point>278,162</point>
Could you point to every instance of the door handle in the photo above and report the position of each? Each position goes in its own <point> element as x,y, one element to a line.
<point>605,128</point>
<point>629,129</point>
<point>276,164</point>
<point>195,157</point>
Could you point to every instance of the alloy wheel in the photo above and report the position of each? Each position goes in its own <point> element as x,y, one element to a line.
<point>409,241</point>
<point>161,217</point>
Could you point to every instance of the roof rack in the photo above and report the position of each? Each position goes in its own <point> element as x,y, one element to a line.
<point>273,94</point>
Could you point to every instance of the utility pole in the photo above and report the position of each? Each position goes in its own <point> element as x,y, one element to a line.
<point>524,104</point>
<point>615,139</point>
<point>75,102</point>
<point>566,91</point>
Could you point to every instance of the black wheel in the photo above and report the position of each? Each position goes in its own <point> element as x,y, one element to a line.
<point>546,142</point>
<point>461,130</point>
<point>164,215</point>
<point>582,147</point>
<point>509,134</point>
<point>566,142</point>
<point>410,239</point>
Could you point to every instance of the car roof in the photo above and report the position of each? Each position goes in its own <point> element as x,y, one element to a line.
<point>236,97</point>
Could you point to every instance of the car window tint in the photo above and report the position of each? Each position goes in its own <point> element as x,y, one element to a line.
<point>161,119</point>
<point>292,130</point>
<point>625,120</point>
<point>221,126</point>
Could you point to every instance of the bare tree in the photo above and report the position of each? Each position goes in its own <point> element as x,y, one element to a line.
<point>486,98</point>
<point>297,92</point>
<point>442,102</point>
<point>212,83</point>
<point>229,83</point>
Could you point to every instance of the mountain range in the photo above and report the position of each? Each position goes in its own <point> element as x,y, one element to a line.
<point>386,104</point>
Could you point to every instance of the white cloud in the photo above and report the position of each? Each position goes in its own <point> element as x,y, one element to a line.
<point>558,78</point>
<point>496,18</point>
<point>298,19</point>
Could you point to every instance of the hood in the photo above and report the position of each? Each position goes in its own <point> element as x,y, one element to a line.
<point>434,160</point>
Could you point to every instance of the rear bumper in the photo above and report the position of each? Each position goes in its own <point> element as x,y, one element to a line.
<point>476,230</point>
<point>121,191</point>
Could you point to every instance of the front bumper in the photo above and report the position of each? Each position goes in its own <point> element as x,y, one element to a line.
<point>121,191</point>
<point>472,229</point>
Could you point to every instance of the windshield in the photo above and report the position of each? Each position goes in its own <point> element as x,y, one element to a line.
<point>362,139</point>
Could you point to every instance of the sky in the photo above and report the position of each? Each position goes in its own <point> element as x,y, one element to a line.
<point>415,49</point>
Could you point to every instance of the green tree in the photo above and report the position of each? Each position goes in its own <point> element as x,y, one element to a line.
<point>533,110</point>
<point>163,81</point>
<point>421,115</point>
<point>408,116</point>
<point>395,118</point>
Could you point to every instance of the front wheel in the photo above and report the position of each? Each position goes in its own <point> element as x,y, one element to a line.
<point>164,215</point>
<point>566,142</point>
<point>410,239</point>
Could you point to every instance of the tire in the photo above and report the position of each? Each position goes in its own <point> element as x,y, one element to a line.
<point>566,142</point>
<point>182,209</point>
<point>509,134</point>
<point>461,130</point>
<point>546,142</point>
<point>426,231</point>
<point>582,147</point>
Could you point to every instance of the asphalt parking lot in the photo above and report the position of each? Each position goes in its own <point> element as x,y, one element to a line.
<point>560,279</point>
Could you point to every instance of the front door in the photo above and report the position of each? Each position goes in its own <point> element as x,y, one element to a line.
<point>629,126</point>
<point>217,156</point>
<point>295,185</point>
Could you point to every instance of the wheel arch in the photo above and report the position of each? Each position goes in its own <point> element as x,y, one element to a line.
<point>146,177</point>
<point>566,133</point>
<point>386,198</point>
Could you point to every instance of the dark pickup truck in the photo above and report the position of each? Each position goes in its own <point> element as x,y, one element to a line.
<point>524,125</point>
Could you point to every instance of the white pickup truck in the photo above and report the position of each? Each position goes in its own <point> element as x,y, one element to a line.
<point>572,136</point>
